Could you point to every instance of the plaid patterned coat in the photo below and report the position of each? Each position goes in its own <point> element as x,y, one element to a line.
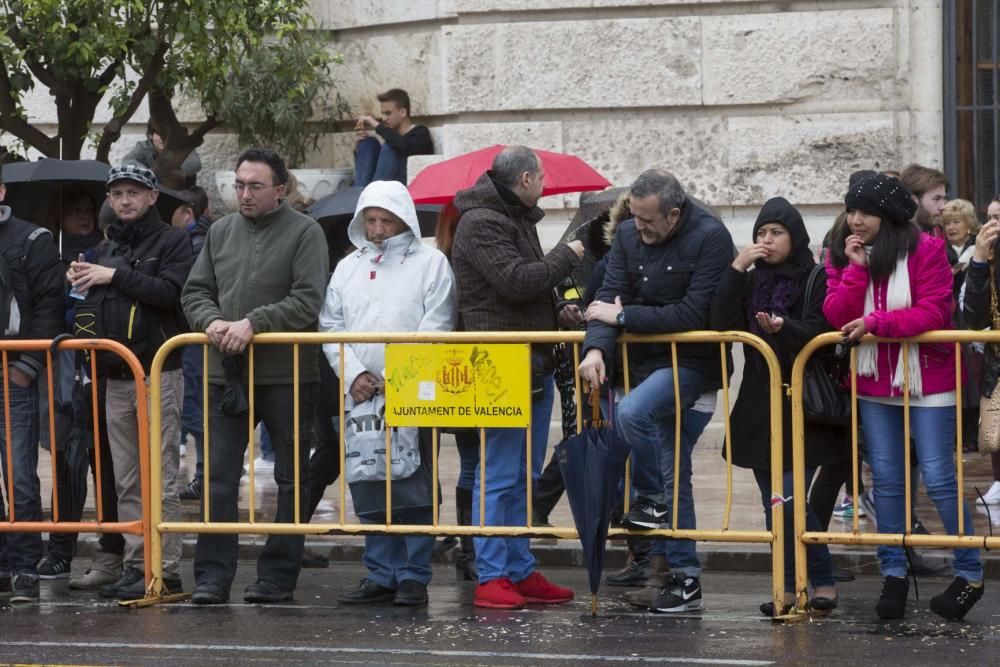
<point>505,282</point>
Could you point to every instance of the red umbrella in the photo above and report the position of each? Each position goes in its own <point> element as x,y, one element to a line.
<point>438,183</point>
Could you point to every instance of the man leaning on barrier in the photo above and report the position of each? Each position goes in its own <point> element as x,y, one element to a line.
<point>31,306</point>
<point>662,272</point>
<point>140,268</point>
<point>505,283</point>
<point>261,270</point>
<point>392,282</point>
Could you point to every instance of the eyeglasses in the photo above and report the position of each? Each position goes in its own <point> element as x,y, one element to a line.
<point>254,187</point>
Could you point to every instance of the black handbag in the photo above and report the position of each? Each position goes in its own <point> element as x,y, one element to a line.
<point>824,400</point>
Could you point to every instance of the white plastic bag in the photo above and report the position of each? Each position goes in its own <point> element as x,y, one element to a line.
<point>364,442</point>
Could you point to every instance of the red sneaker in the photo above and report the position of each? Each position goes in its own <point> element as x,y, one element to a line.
<point>498,594</point>
<point>537,588</point>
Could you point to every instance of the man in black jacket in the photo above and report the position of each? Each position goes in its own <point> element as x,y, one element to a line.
<point>402,138</point>
<point>662,272</point>
<point>146,261</point>
<point>31,306</point>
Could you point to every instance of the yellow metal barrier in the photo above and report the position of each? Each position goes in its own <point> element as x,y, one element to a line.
<point>724,534</point>
<point>141,527</point>
<point>856,536</point>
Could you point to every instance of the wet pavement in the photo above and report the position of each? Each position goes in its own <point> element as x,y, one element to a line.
<point>78,628</point>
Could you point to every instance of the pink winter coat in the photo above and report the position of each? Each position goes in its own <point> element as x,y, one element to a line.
<point>931,296</point>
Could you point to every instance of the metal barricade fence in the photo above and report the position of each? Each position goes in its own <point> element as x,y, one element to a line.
<point>856,536</point>
<point>575,339</point>
<point>98,525</point>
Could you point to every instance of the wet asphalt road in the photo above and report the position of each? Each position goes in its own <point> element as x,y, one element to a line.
<point>78,628</point>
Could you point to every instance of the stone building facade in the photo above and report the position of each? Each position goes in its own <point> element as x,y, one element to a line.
<point>742,99</point>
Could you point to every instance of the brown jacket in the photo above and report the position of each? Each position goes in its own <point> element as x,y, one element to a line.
<point>505,282</point>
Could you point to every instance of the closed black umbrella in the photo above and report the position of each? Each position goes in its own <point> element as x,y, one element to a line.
<point>592,462</point>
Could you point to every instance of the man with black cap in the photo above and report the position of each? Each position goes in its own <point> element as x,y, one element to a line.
<point>31,306</point>
<point>143,263</point>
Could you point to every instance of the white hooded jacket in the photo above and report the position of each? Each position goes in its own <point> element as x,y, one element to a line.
<point>404,286</point>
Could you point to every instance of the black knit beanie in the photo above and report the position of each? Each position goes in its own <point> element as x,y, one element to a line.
<point>883,196</point>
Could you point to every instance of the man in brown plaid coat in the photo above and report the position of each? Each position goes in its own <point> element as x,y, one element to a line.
<point>506,283</point>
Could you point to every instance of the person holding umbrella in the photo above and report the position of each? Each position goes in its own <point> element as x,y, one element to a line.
<point>73,216</point>
<point>31,306</point>
<point>506,283</point>
<point>662,272</point>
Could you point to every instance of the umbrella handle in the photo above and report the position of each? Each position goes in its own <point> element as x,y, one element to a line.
<point>595,404</point>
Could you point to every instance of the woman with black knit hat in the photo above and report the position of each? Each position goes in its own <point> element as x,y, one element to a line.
<point>772,302</point>
<point>897,283</point>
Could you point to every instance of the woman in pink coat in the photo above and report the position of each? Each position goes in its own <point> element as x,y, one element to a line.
<point>893,281</point>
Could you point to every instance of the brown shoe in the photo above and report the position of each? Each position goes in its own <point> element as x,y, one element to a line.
<point>658,579</point>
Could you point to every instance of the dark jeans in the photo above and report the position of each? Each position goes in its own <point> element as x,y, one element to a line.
<point>819,562</point>
<point>324,464</point>
<point>192,417</point>
<point>63,545</point>
<point>20,552</point>
<point>467,443</point>
<point>281,558</point>
<point>548,490</point>
<point>374,161</point>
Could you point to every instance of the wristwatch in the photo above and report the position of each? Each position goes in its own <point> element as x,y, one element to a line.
<point>620,318</point>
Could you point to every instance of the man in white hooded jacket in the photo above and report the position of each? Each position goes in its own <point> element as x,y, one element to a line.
<point>392,282</point>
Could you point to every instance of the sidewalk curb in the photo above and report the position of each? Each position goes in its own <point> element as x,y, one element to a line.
<point>567,553</point>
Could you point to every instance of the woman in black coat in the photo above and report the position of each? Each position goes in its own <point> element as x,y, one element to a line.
<point>770,301</point>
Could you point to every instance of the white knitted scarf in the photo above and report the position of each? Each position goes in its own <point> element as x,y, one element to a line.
<point>897,297</point>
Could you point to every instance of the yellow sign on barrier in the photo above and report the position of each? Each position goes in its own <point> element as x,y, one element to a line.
<point>478,385</point>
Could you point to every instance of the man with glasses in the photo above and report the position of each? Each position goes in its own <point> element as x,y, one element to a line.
<point>261,270</point>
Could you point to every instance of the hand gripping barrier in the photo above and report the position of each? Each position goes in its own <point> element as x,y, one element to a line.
<point>56,524</point>
<point>342,526</point>
<point>856,536</point>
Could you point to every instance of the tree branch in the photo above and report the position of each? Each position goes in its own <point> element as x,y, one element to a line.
<point>11,122</point>
<point>113,128</point>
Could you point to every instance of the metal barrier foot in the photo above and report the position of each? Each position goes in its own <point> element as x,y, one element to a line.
<point>154,595</point>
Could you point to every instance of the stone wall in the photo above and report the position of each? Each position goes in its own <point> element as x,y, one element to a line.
<point>742,99</point>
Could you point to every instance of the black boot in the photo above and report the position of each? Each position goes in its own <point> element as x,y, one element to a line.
<point>465,555</point>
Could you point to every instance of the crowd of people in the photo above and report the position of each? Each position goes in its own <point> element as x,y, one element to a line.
<point>900,261</point>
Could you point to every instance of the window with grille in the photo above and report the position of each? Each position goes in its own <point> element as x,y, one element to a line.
<point>972,115</point>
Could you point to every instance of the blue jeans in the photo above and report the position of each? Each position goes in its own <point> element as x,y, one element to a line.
<point>192,417</point>
<point>645,419</point>
<point>506,492</point>
<point>20,552</point>
<point>375,161</point>
<point>818,560</point>
<point>933,433</point>
<point>392,559</point>
<point>682,555</point>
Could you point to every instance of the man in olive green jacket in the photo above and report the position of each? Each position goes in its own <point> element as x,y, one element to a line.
<point>262,270</point>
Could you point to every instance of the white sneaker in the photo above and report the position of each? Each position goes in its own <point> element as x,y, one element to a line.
<point>184,450</point>
<point>992,496</point>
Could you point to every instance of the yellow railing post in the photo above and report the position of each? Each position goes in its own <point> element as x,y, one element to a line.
<point>856,537</point>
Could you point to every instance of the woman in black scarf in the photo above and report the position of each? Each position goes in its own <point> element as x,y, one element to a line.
<point>770,301</point>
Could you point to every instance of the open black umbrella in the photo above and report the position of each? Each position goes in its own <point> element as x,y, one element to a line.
<point>333,212</point>
<point>32,186</point>
<point>592,462</point>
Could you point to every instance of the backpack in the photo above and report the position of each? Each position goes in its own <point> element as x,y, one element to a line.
<point>10,311</point>
<point>105,312</point>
